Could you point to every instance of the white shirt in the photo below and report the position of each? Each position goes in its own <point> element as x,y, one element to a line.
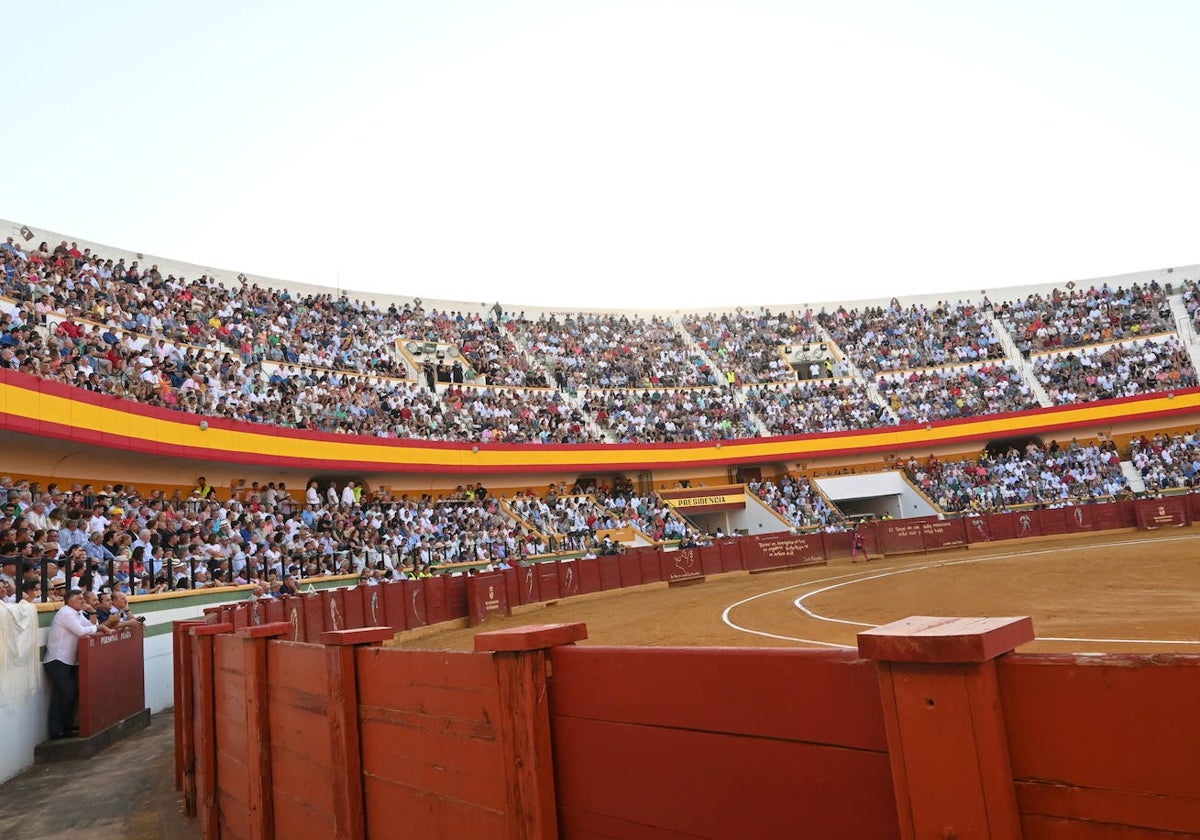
<point>68,626</point>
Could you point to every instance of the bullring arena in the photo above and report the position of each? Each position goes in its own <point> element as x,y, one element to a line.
<point>897,568</point>
<point>1133,592</point>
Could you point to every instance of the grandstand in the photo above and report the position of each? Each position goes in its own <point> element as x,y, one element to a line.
<point>619,448</point>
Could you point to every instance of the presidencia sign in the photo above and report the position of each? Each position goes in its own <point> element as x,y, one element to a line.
<point>706,499</point>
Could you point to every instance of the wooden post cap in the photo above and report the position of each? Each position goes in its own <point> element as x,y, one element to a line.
<point>210,629</point>
<point>923,638</point>
<point>530,637</point>
<point>264,631</point>
<point>361,636</point>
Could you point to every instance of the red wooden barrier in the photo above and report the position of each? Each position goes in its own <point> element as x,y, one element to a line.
<point>901,536</point>
<point>436,608</point>
<point>1139,779</point>
<point>637,755</point>
<point>487,596</point>
<point>314,616</point>
<point>610,572</point>
<point>978,529</point>
<point>652,566</point>
<point>1079,519</point>
<point>589,576</point>
<point>415,614</point>
<point>355,615</point>
<point>395,605</point>
<point>681,565</point>
<point>1170,512</point>
<point>112,682</point>
<point>547,574</point>
<point>940,534</point>
<point>456,597</point>
<point>568,578</point>
<point>527,584</point>
<point>731,554</point>
<point>710,559</point>
<point>185,749</point>
<point>783,551</point>
<point>630,566</point>
<point>1053,521</point>
<point>943,734</point>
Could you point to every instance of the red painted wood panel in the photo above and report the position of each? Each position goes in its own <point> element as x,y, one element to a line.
<point>589,576</point>
<point>610,572</point>
<point>630,564</point>
<point>395,605</point>
<point>746,691</point>
<point>432,763</point>
<point>1105,722</point>
<point>651,561</point>
<point>731,555</point>
<point>547,574</point>
<point>301,756</point>
<point>314,617</point>
<point>568,578</point>
<point>943,534</point>
<point>710,559</point>
<point>353,602</point>
<point>435,599</point>
<point>415,614</point>
<point>978,529</point>
<point>527,585</point>
<point>456,597</point>
<point>1053,521</point>
<point>624,780</point>
<point>1080,519</point>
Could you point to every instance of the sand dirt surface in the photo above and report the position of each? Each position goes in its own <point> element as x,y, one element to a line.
<point>1120,592</point>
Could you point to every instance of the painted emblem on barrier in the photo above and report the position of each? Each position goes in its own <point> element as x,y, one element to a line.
<point>294,619</point>
<point>685,562</point>
<point>529,583</point>
<point>416,612</point>
<point>568,580</point>
<point>1026,523</point>
<point>978,523</point>
<point>375,606</point>
<point>335,618</point>
<point>255,618</point>
<point>1079,516</point>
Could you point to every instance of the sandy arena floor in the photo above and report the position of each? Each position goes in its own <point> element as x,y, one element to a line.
<point>1121,592</point>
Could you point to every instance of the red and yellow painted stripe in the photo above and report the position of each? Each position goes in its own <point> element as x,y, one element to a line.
<point>50,409</point>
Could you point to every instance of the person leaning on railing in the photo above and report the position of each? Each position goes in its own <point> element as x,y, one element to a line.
<point>73,621</point>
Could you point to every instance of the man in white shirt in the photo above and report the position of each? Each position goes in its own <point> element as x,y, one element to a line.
<point>61,663</point>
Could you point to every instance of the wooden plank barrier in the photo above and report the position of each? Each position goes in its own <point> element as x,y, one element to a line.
<point>718,744</point>
<point>945,734</point>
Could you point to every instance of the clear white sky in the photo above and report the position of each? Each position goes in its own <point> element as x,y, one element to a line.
<point>640,154</point>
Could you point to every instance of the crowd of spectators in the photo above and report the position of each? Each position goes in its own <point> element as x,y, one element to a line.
<point>672,416</point>
<point>1167,461</point>
<point>825,405</point>
<point>1035,475</point>
<point>613,351</point>
<point>798,501</point>
<point>511,415</point>
<point>1078,317</point>
<point>896,337</point>
<point>120,540</point>
<point>1115,370</point>
<point>751,347</point>
<point>946,393</point>
<point>326,363</point>
<point>486,343</point>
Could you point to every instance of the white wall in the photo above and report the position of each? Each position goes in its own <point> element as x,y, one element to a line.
<point>873,485</point>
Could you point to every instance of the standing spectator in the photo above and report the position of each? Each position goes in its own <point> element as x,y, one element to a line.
<point>62,662</point>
